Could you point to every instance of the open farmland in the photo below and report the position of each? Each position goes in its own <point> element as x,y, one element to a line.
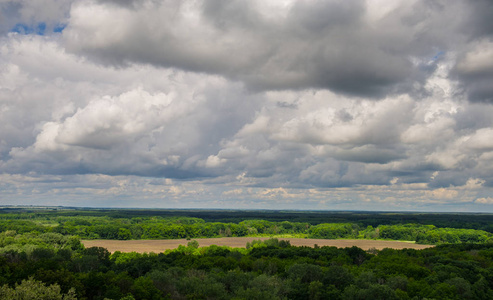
<point>157,246</point>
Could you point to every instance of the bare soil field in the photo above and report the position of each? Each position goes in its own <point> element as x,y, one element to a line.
<point>158,246</point>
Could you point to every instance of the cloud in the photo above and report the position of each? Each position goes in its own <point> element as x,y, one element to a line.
<point>111,121</point>
<point>475,70</point>
<point>488,200</point>
<point>351,49</point>
<point>188,125</point>
<point>323,104</point>
<point>481,140</point>
<point>442,193</point>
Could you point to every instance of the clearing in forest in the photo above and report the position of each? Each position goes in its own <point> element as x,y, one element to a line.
<point>158,246</point>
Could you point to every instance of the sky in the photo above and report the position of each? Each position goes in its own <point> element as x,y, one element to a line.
<point>316,105</point>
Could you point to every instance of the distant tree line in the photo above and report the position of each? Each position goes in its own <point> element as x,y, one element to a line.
<point>479,221</point>
<point>152,227</point>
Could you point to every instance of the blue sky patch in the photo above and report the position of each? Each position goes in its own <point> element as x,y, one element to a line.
<point>438,55</point>
<point>59,27</point>
<point>39,29</point>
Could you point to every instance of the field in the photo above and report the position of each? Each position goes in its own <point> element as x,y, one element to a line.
<point>157,246</point>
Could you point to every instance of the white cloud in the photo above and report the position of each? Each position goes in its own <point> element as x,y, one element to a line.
<point>481,140</point>
<point>442,193</point>
<point>488,200</point>
<point>112,120</point>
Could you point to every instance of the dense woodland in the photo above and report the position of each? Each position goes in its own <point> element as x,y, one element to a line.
<point>41,255</point>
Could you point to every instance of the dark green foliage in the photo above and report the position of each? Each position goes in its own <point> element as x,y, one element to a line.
<point>373,291</point>
<point>268,270</point>
<point>406,232</point>
<point>453,236</point>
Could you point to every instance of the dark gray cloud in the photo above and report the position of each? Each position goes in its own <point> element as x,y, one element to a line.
<point>123,3</point>
<point>9,13</point>
<point>347,47</point>
<point>479,19</point>
<point>474,70</point>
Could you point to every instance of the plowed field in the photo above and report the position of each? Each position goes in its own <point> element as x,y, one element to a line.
<point>157,246</point>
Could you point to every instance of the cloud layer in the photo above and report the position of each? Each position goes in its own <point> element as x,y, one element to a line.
<point>287,104</point>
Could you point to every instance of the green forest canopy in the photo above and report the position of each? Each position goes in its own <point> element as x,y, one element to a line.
<point>41,256</point>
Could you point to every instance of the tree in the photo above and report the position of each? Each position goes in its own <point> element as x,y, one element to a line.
<point>124,234</point>
<point>35,290</point>
<point>306,273</point>
<point>338,276</point>
<point>193,244</point>
<point>315,290</point>
<point>143,288</point>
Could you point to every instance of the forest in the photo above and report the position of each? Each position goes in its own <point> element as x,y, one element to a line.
<point>41,254</point>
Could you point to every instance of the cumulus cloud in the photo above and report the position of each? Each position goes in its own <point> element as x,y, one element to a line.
<point>488,200</point>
